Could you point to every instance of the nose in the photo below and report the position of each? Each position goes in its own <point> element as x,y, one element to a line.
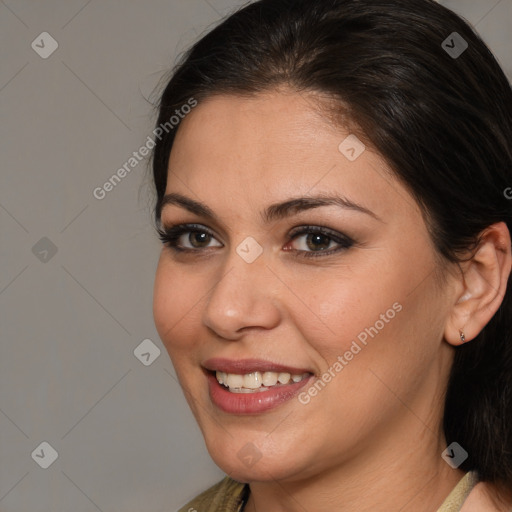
<point>244,297</point>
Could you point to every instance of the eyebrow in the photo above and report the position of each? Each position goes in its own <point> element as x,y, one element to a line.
<point>273,212</point>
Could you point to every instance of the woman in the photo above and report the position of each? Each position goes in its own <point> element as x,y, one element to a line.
<point>335,211</point>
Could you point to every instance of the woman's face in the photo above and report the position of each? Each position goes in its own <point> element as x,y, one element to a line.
<point>356,307</point>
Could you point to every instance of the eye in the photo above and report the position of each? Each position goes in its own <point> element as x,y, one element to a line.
<point>177,237</point>
<point>316,241</point>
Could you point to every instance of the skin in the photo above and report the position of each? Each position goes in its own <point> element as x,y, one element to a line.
<point>483,498</point>
<point>372,438</point>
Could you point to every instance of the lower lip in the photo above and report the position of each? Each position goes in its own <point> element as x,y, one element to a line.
<point>252,403</point>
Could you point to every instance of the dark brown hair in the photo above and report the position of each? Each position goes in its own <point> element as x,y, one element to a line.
<point>442,122</point>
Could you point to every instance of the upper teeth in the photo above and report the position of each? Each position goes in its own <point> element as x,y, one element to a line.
<point>255,380</point>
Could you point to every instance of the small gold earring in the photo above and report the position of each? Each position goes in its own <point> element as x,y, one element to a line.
<point>462,337</point>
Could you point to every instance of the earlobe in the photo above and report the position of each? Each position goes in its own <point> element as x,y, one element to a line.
<point>483,281</point>
<point>464,297</point>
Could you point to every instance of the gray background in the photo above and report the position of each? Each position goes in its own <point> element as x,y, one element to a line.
<point>70,321</point>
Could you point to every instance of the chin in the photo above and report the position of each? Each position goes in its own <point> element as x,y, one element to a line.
<point>244,462</point>
<point>259,472</point>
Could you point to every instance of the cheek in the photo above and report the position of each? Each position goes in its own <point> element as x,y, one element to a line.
<point>344,308</point>
<point>163,295</point>
<point>371,320</point>
<point>175,306</point>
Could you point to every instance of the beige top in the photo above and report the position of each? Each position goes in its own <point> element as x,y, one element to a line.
<point>229,495</point>
<point>455,500</point>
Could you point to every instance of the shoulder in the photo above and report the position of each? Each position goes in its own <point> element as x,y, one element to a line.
<point>225,496</point>
<point>483,499</point>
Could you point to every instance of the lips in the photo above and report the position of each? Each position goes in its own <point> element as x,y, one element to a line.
<point>234,401</point>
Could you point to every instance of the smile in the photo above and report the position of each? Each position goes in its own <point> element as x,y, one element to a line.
<point>256,382</point>
<point>252,386</point>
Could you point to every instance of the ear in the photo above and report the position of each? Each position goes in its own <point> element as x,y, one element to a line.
<point>481,286</point>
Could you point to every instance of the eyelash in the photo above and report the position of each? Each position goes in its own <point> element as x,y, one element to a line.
<point>170,235</point>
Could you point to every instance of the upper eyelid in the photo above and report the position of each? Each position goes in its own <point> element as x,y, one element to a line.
<point>187,226</point>
<point>222,228</point>
<point>182,228</point>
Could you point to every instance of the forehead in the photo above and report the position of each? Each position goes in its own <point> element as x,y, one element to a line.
<point>271,146</point>
<point>281,119</point>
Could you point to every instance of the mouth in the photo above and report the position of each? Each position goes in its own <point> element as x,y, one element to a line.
<point>252,386</point>
<point>257,382</point>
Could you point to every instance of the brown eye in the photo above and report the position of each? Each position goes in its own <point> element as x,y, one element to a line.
<point>198,239</point>
<point>318,241</point>
<point>315,241</point>
<point>186,237</point>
